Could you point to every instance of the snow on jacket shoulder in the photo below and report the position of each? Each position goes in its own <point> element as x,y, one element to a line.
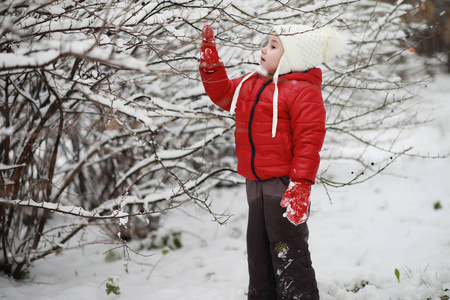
<point>294,151</point>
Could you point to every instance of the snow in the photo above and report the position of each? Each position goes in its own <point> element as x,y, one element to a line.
<point>8,167</point>
<point>357,241</point>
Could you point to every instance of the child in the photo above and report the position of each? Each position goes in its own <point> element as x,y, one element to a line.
<point>280,129</point>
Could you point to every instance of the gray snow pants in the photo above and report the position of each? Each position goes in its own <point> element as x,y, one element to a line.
<point>279,261</point>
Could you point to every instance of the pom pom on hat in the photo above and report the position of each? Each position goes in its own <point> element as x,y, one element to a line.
<point>306,47</point>
<point>336,43</point>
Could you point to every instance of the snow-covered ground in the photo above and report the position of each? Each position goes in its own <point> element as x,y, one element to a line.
<point>357,241</point>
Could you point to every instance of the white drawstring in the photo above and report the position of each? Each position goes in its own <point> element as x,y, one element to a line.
<point>282,64</point>
<point>275,107</point>
<point>236,93</point>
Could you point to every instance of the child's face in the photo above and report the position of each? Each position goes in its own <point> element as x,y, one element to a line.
<point>271,54</point>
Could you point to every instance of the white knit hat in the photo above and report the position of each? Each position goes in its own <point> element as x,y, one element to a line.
<point>304,48</point>
<point>307,47</point>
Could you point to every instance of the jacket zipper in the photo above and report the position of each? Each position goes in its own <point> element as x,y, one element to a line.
<point>252,114</point>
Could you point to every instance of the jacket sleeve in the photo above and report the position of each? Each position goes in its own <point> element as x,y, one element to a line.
<point>219,87</point>
<point>308,133</point>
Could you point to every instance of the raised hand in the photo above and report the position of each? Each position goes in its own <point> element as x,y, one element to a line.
<point>209,57</point>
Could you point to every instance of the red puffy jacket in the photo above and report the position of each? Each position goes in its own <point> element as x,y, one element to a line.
<point>294,151</point>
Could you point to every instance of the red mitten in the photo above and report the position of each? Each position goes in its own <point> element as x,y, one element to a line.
<point>209,57</point>
<point>296,201</point>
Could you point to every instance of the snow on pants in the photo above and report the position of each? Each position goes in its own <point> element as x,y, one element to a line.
<point>279,261</point>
